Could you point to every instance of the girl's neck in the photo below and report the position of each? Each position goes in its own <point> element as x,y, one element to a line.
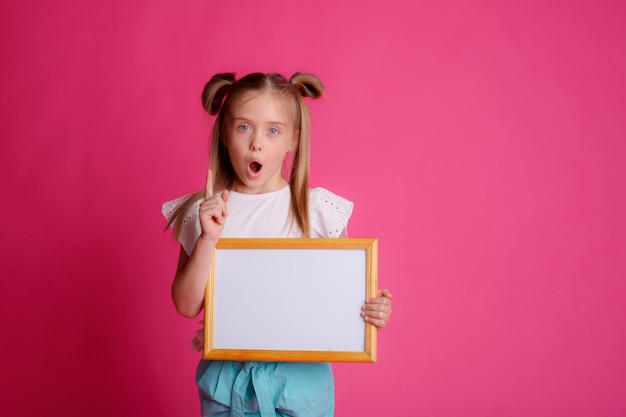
<point>242,188</point>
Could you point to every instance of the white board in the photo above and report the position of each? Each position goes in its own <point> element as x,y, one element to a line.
<point>291,300</point>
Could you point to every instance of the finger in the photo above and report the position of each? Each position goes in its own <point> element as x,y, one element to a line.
<point>208,188</point>
<point>377,313</point>
<point>214,209</point>
<point>376,309</point>
<point>384,293</point>
<point>225,195</point>
<point>378,300</point>
<point>378,322</point>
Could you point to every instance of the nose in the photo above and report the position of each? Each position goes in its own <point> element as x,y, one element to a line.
<point>255,144</point>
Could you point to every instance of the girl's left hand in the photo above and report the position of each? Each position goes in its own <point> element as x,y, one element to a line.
<point>377,310</point>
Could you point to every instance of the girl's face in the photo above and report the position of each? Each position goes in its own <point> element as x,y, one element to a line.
<point>258,133</point>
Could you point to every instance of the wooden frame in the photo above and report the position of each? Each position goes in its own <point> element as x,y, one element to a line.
<point>291,300</point>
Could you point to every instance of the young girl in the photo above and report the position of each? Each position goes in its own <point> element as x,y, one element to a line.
<point>262,127</point>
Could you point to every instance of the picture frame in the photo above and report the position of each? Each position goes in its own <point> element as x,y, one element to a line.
<point>291,300</point>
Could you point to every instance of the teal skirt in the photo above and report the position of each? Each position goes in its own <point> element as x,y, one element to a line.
<point>265,389</point>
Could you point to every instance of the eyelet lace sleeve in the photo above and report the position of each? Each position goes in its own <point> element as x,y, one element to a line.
<point>329,213</point>
<point>191,230</point>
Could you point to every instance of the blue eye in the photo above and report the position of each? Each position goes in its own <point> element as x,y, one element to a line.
<point>273,131</point>
<point>243,128</point>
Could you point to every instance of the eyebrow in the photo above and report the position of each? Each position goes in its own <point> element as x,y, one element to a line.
<point>250,120</point>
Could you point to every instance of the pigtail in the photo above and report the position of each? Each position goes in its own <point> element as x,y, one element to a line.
<point>213,95</point>
<point>308,85</point>
<point>215,90</point>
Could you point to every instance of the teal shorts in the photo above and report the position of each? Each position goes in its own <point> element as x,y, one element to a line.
<point>266,389</point>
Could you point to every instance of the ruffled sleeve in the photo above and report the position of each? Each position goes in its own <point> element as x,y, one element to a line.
<point>191,230</point>
<point>329,213</point>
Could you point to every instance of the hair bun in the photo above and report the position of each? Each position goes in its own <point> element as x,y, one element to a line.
<point>308,85</point>
<point>215,90</point>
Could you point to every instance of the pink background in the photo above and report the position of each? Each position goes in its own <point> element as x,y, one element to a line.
<point>482,141</point>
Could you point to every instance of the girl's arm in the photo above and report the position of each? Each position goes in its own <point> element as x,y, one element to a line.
<point>193,271</point>
<point>191,276</point>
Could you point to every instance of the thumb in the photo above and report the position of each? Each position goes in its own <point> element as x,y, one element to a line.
<point>225,195</point>
<point>384,293</point>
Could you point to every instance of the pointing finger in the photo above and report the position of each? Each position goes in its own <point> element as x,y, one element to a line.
<point>208,189</point>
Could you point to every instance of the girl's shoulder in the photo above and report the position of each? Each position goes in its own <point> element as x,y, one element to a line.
<point>190,230</point>
<point>169,207</point>
<point>329,213</point>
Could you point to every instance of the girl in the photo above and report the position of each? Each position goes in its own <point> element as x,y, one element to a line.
<point>262,127</point>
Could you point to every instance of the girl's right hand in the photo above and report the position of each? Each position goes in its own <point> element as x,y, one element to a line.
<point>213,211</point>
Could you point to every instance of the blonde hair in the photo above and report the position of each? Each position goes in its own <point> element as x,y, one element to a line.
<point>218,97</point>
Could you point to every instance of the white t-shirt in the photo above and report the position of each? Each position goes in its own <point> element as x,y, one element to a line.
<point>260,215</point>
<point>266,215</point>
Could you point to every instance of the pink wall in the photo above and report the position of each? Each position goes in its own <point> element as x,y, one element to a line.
<point>483,142</point>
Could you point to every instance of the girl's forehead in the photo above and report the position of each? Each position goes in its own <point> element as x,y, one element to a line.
<point>261,102</point>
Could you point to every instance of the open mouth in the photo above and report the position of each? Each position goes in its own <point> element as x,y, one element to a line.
<point>255,167</point>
